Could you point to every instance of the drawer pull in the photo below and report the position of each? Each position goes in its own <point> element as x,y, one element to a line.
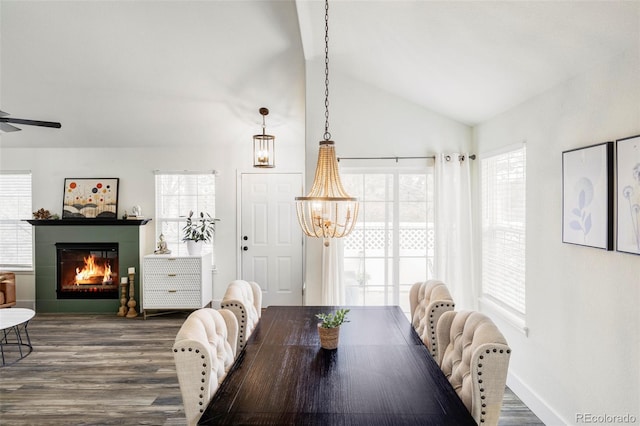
<point>171,258</point>
<point>171,275</point>
<point>172,291</point>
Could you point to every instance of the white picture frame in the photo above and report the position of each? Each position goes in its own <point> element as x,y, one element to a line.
<point>628,194</point>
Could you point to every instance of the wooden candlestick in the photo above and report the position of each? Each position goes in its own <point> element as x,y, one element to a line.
<point>123,298</point>
<point>132,303</point>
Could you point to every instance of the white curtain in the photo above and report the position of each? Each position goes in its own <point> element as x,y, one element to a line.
<point>454,237</point>
<point>332,266</point>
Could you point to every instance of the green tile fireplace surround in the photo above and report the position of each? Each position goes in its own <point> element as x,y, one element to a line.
<point>128,234</point>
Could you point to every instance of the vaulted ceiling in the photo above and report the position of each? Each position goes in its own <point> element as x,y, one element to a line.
<point>199,70</point>
<point>469,60</point>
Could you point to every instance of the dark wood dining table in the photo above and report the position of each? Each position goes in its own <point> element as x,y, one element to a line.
<point>381,374</point>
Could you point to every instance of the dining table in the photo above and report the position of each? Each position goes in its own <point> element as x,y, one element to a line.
<point>380,374</point>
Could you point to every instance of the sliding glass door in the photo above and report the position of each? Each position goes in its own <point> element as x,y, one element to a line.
<point>392,246</point>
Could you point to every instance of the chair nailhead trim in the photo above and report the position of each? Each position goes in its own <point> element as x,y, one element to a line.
<point>482,396</point>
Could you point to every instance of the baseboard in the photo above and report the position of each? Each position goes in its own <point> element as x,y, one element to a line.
<point>29,304</point>
<point>535,403</point>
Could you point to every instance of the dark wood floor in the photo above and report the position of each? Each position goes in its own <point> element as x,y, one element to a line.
<point>107,370</point>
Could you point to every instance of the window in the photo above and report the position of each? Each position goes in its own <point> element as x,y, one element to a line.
<point>503,177</point>
<point>16,241</point>
<point>392,245</point>
<point>176,195</point>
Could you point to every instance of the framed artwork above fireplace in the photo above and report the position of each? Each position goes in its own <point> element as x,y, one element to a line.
<point>90,198</point>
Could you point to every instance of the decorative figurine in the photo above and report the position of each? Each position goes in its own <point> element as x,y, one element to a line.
<point>162,246</point>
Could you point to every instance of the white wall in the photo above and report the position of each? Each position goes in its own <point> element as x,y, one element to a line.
<point>142,86</point>
<point>583,349</point>
<point>367,122</point>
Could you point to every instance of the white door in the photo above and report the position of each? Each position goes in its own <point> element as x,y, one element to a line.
<point>271,239</point>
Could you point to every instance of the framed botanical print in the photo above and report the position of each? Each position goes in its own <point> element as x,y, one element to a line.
<point>587,196</point>
<point>628,194</point>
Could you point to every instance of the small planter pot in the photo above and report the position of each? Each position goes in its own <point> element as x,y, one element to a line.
<point>194,247</point>
<point>329,337</point>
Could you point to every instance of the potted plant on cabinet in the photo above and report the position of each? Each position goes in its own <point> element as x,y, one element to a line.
<point>329,328</point>
<point>198,231</point>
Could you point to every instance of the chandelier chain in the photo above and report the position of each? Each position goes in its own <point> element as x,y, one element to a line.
<point>327,135</point>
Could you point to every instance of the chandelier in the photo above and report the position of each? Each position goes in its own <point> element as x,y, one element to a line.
<point>327,211</point>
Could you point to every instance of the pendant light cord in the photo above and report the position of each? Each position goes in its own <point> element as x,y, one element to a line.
<point>327,135</point>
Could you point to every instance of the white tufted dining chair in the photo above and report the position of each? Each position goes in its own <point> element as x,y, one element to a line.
<point>474,356</point>
<point>428,301</point>
<point>244,299</point>
<point>204,350</point>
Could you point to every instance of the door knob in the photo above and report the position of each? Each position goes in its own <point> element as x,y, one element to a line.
<point>245,238</point>
<point>245,248</point>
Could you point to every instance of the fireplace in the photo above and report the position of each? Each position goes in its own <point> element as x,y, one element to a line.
<point>128,234</point>
<point>87,270</point>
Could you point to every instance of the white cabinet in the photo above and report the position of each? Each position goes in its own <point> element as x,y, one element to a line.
<point>176,282</point>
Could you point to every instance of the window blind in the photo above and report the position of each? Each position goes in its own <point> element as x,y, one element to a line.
<point>503,180</point>
<point>16,236</point>
<point>178,193</point>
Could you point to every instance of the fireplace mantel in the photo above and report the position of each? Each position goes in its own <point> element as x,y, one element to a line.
<point>88,222</point>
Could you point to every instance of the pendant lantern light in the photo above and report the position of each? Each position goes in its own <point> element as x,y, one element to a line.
<point>327,211</point>
<point>263,146</point>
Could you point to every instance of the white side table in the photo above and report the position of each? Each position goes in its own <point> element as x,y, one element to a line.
<point>14,321</point>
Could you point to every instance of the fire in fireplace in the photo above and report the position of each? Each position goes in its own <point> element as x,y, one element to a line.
<point>87,270</point>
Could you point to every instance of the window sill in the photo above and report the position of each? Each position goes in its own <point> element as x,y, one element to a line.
<point>512,319</point>
<point>17,271</point>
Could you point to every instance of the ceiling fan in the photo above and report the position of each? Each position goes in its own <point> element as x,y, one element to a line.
<point>6,127</point>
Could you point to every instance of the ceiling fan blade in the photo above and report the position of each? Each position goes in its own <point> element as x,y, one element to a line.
<point>31,122</point>
<point>6,128</point>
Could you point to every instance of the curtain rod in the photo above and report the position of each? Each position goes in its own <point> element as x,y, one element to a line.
<point>460,157</point>
<point>185,172</point>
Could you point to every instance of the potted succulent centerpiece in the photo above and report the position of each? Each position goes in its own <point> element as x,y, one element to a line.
<point>329,327</point>
<point>198,231</point>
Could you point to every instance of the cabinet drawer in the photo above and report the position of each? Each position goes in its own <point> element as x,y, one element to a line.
<point>172,299</point>
<point>172,282</point>
<point>173,266</point>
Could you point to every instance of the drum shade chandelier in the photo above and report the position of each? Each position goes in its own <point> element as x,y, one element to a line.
<point>264,155</point>
<point>327,211</point>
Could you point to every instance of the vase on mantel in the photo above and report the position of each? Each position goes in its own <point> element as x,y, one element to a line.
<point>194,248</point>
